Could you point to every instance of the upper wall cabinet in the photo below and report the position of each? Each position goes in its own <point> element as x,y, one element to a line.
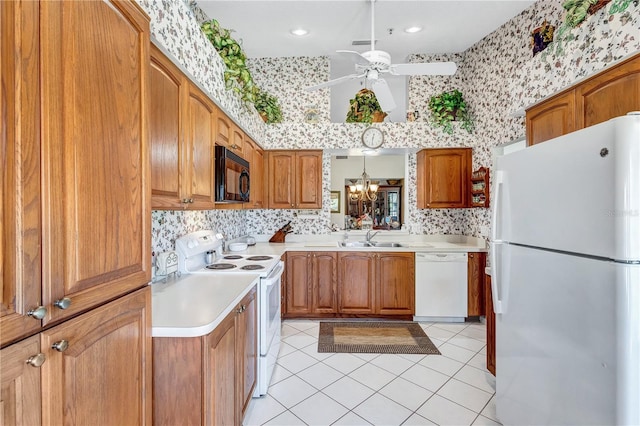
<point>608,94</point>
<point>294,179</point>
<point>182,130</point>
<point>229,135</point>
<point>94,75</point>
<point>255,156</point>
<point>443,177</point>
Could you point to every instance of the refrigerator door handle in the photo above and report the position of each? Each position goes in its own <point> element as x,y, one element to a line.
<point>495,278</point>
<point>497,202</point>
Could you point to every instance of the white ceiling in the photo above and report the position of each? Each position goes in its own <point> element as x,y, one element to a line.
<point>448,26</point>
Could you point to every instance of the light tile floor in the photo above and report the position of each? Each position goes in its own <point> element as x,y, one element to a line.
<point>311,388</point>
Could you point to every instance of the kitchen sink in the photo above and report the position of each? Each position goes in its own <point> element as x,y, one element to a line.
<point>354,244</point>
<point>386,244</point>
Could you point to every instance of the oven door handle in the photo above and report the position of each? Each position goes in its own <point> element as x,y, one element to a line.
<point>274,275</point>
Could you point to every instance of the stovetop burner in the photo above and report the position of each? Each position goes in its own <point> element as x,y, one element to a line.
<point>259,258</point>
<point>233,257</point>
<point>252,267</point>
<point>217,266</point>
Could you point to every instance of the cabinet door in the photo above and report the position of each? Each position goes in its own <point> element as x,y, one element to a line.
<point>475,274</point>
<point>20,384</point>
<point>443,177</point>
<point>552,118</point>
<point>96,200</point>
<point>200,137</point>
<point>20,186</point>
<point>324,281</point>
<point>308,180</point>
<point>281,179</point>
<point>356,283</point>
<point>237,140</point>
<point>178,392</point>
<point>491,326</point>
<point>257,177</point>
<point>219,374</point>
<point>298,292</point>
<point>223,129</point>
<point>247,350</point>
<point>166,134</point>
<point>104,375</point>
<point>395,284</point>
<point>611,94</point>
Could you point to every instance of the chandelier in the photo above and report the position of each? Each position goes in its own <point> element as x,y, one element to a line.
<point>363,189</point>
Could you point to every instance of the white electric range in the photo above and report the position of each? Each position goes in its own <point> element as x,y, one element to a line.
<point>200,252</point>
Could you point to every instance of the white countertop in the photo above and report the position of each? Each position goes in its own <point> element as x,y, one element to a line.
<point>193,305</point>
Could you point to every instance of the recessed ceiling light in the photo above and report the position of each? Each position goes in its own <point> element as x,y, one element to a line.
<point>413,29</point>
<point>299,32</point>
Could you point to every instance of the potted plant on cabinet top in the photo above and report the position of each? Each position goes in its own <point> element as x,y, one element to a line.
<point>268,107</point>
<point>364,108</point>
<point>448,107</point>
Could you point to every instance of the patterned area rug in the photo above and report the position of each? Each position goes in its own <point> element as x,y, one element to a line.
<point>384,337</point>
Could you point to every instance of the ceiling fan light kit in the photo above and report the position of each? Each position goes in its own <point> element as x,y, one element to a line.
<point>371,65</point>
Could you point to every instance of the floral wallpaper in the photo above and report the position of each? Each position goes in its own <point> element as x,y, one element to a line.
<point>498,76</point>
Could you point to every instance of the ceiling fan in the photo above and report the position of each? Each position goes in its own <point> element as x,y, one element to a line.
<point>373,63</point>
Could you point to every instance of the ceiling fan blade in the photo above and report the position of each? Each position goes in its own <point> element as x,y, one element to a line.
<point>383,95</point>
<point>428,68</point>
<point>355,56</point>
<point>333,82</point>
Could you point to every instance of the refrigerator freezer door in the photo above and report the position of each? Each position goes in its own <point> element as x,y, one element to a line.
<point>567,346</point>
<point>578,193</point>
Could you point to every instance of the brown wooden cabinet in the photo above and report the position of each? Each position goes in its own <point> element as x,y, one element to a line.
<point>20,390</point>
<point>237,140</point>
<point>612,92</point>
<point>475,281</point>
<point>20,225</point>
<point>182,133</point>
<point>224,129</point>
<point>217,373</point>
<point>95,177</point>
<point>443,178</point>
<point>551,119</point>
<point>395,283</point>
<point>256,162</point>
<point>82,376</point>
<point>92,380</point>
<point>294,179</point>
<point>75,212</point>
<point>491,326</point>
<point>356,282</point>
<point>311,280</point>
<point>327,284</point>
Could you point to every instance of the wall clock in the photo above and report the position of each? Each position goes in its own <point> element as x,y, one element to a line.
<point>372,137</point>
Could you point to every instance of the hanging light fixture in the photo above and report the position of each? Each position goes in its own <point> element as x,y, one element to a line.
<point>363,189</point>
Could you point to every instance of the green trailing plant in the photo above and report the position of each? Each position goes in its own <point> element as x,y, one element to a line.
<point>268,107</point>
<point>364,108</point>
<point>448,107</point>
<point>577,11</point>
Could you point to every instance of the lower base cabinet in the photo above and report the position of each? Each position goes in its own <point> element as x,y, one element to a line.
<point>322,284</point>
<point>476,262</point>
<point>207,380</point>
<point>92,369</point>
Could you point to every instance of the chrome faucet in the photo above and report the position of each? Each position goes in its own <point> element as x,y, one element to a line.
<point>369,237</point>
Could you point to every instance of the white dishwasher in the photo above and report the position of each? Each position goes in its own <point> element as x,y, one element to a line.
<point>441,287</point>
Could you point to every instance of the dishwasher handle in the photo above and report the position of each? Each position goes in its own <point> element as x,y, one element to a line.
<point>441,257</point>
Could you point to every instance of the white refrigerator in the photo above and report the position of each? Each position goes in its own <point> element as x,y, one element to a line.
<point>566,278</point>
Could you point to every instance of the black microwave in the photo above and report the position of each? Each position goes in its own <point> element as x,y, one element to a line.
<point>232,177</point>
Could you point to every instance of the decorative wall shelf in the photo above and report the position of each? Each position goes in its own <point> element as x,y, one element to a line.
<point>480,187</point>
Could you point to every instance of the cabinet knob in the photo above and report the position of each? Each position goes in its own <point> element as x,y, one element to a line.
<point>37,313</point>
<point>36,360</point>
<point>185,201</point>
<point>470,254</point>
<point>63,303</point>
<point>60,346</point>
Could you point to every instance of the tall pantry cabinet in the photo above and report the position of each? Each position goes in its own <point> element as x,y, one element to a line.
<point>74,307</point>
